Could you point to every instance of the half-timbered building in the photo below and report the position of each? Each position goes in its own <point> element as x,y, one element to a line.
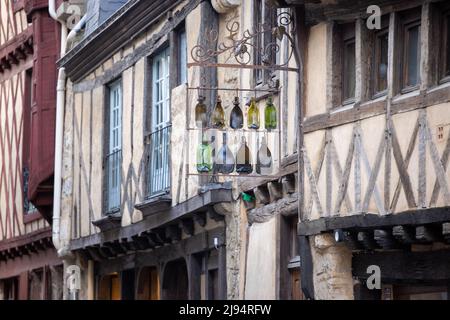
<point>29,265</point>
<point>376,146</point>
<point>139,219</point>
<point>358,180</point>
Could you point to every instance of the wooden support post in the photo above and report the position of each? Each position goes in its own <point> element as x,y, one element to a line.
<point>187,225</point>
<point>351,240</point>
<point>403,234</point>
<point>446,231</point>
<point>195,269</point>
<point>173,233</point>
<point>262,195</point>
<point>222,273</point>
<point>367,240</point>
<point>385,239</point>
<point>288,183</point>
<point>275,191</point>
<point>427,234</point>
<point>200,218</point>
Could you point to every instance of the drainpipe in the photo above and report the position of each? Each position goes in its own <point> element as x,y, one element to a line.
<point>60,109</point>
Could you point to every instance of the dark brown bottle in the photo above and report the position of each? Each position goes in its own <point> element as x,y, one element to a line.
<point>236,117</point>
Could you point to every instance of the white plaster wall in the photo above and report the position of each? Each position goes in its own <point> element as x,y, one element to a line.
<point>261,272</point>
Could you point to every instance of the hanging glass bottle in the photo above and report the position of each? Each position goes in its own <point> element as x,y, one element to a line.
<point>201,113</point>
<point>253,115</point>
<point>264,159</point>
<point>218,115</point>
<point>204,155</point>
<point>236,117</point>
<point>270,115</point>
<point>243,159</point>
<point>224,161</point>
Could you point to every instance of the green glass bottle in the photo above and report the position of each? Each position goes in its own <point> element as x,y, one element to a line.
<point>224,161</point>
<point>270,115</point>
<point>264,159</point>
<point>201,113</point>
<point>236,117</point>
<point>243,159</point>
<point>218,115</point>
<point>204,155</point>
<point>253,115</point>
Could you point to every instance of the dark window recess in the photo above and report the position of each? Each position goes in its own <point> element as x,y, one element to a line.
<point>28,207</point>
<point>410,59</point>
<point>444,64</point>
<point>380,58</point>
<point>447,46</point>
<point>265,15</point>
<point>182,57</point>
<point>348,63</point>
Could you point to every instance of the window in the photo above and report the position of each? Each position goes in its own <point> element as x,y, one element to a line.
<point>182,57</point>
<point>380,58</point>
<point>410,57</point>
<point>348,63</point>
<point>28,207</point>
<point>444,8</point>
<point>265,17</point>
<point>158,173</point>
<point>114,147</point>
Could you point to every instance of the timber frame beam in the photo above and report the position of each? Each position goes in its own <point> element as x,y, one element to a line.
<point>374,221</point>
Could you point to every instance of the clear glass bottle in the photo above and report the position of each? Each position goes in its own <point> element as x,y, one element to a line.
<point>201,112</point>
<point>204,155</point>
<point>218,115</point>
<point>224,161</point>
<point>243,159</point>
<point>236,117</point>
<point>264,159</point>
<point>270,115</point>
<point>253,115</point>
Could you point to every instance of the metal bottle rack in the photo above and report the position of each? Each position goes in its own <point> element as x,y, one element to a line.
<point>206,54</point>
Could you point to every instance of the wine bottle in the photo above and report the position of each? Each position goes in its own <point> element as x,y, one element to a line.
<point>218,115</point>
<point>270,115</point>
<point>243,159</point>
<point>204,155</point>
<point>201,113</point>
<point>253,115</point>
<point>264,159</point>
<point>236,117</point>
<point>224,162</point>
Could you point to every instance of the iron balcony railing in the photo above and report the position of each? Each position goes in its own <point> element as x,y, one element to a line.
<point>159,162</point>
<point>113,181</point>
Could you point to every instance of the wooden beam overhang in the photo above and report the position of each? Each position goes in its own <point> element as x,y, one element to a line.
<point>371,232</point>
<point>16,50</point>
<point>374,221</point>
<point>108,263</point>
<point>397,266</point>
<point>349,10</point>
<point>120,29</point>
<point>160,228</point>
<point>25,245</point>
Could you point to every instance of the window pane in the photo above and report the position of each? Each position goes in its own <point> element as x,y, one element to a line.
<point>183,58</point>
<point>382,62</point>
<point>413,56</point>
<point>447,49</point>
<point>349,70</point>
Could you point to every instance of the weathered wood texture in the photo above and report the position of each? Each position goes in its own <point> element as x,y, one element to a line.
<point>397,166</point>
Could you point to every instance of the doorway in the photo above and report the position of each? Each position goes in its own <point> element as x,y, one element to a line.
<point>175,281</point>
